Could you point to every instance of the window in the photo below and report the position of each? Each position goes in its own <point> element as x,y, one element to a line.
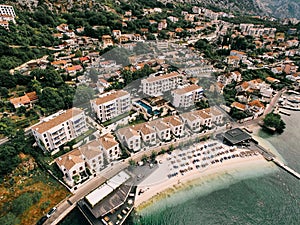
<point>94,165</point>
<point>81,168</point>
<point>74,172</point>
<point>116,147</point>
<point>99,158</point>
<point>93,161</point>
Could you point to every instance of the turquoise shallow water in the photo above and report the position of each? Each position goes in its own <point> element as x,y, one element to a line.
<point>269,199</point>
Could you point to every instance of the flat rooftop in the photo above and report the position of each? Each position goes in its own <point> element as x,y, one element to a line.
<point>236,136</point>
<point>105,189</point>
<point>110,203</point>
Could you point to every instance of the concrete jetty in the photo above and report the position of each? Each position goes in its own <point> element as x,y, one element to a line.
<point>286,168</point>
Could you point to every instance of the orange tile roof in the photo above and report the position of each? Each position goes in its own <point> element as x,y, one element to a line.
<point>271,79</point>
<point>110,97</point>
<point>187,89</point>
<point>70,159</point>
<point>203,114</point>
<point>128,132</point>
<point>85,58</point>
<point>238,105</point>
<point>173,120</point>
<point>46,125</point>
<point>32,96</point>
<point>159,124</point>
<point>20,100</point>
<point>59,62</point>
<point>74,68</point>
<point>108,141</point>
<point>257,103</point>
<point>91,149</point>
<point>234,57</point>
<point>245,85</point>
<point>144,128</point>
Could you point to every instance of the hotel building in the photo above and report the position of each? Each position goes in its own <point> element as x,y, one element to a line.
<point>187,96</point>
<point>156,85</point>
<point>59,128</point>
<point>111,104</point>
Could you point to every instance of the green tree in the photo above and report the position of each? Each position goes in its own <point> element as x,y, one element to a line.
<point>144,158</point>
<point>7,127</point>
<point>132,162</point>
<point>48,77</point>
<point>274,121</point>
<point>9,219</point>
<point>3,92</point>
<point>51,100</point>
<point>153,155</point>
<point>8,152</point>
<point>22,203</point>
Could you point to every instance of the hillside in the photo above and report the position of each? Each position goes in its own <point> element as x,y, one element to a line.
<point>280,8</point>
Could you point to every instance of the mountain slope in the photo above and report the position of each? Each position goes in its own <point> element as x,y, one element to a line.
<point>280,8</point>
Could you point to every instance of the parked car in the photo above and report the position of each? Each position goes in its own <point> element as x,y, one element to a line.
<point>51,212</point>
<point>42,220</point>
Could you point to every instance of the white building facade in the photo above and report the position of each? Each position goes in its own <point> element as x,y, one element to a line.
<point>157,85</point>
<point>59,128</point>
<point>187,96</point>
<point>111,104</point>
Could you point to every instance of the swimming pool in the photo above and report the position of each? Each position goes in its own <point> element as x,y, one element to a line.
<point>148,108</point>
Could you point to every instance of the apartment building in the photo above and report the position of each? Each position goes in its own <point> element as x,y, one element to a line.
<point>93,155</point>
<point>111,104</point>
<point>71,164</point>
<point>110,146</point>
<point>59,128</point>
<point>147,133</point>
<point>196,120</point>
<point>187,96</point>
<point>162,129</point>
<point>129,138</point>
<point>176,125</point>
<point>7,10</point>
<point>157,85</point>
